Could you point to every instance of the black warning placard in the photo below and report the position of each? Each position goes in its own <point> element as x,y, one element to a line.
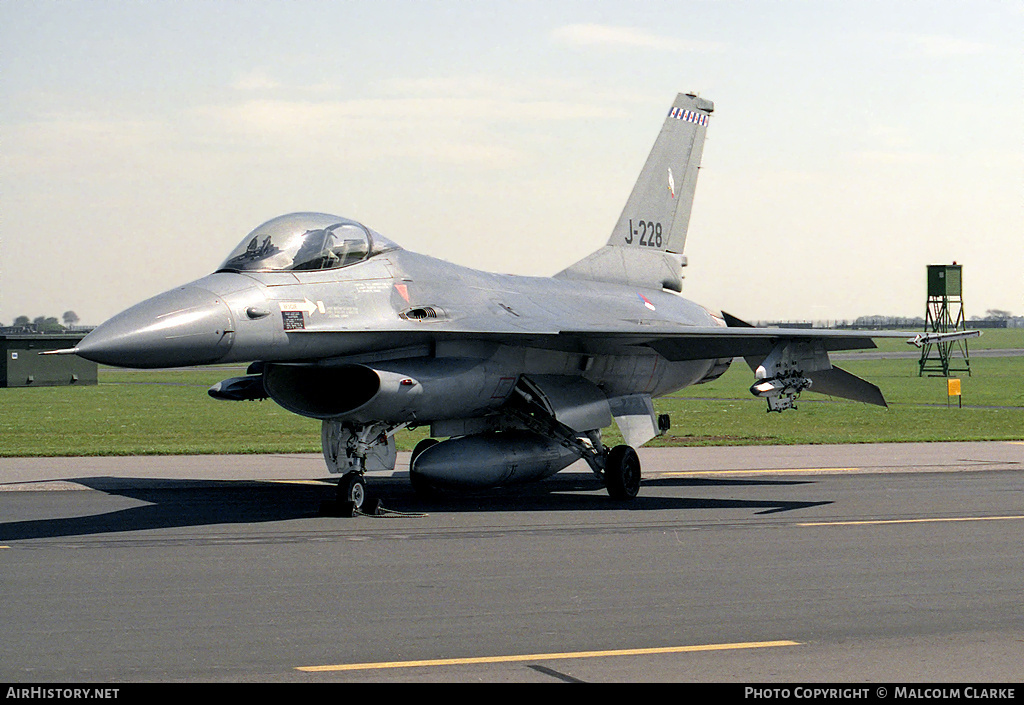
<point>293,320</point>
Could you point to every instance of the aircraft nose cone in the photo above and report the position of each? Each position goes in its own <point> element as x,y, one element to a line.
<point>185,326</point>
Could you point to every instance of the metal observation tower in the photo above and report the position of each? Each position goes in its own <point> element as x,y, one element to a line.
<point>944,314</point>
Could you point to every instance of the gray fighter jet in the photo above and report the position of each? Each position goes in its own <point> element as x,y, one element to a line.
<point>520,374</point>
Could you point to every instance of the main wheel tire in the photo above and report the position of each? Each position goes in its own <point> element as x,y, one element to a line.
<point>420,485</point>
<point>622,473</point>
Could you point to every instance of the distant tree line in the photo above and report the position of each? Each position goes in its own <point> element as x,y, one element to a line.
<point>45,324</point>
<point>994,314</point>
<point>993,318</point>
<point>888,322</point>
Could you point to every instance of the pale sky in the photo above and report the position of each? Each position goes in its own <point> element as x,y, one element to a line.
<point>852,143</point>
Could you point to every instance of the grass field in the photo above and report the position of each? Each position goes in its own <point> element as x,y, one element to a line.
<point>134,412</point>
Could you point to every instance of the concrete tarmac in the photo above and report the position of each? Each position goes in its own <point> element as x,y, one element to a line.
<point>863,457</point>
<point>895,563</point>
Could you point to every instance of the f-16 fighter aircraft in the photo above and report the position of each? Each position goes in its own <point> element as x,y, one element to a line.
<point>519,374</point>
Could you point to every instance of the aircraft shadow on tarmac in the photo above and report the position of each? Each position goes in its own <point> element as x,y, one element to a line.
<point>206,503</point>
<point>583,493</point>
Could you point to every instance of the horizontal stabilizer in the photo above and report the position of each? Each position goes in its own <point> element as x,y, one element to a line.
<point>732,322</point>
<point>753,361</point>
<point>837,382</point>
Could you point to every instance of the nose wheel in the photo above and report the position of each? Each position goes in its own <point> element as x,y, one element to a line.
<point>352,488</point>
<point>350,499</point>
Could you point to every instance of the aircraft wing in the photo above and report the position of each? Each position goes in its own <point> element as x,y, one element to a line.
<point>741,339</point>
<point>784,360</point>
<point>710,342</point>
<point>675,343</point>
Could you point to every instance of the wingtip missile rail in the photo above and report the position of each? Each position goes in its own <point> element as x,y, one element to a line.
<point>919,341</point>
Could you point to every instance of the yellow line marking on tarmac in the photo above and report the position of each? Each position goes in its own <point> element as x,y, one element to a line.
<point>544,657</point>
<point>906,521</point>
<point>756,472</point>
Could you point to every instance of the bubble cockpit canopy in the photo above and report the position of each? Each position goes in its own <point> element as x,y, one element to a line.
<point>305,242</point>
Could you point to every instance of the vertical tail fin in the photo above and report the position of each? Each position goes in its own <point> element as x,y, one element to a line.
<point>657,213</point>
<point>645,248</point>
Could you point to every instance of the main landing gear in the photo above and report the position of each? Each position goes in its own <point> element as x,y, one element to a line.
<point>622,473</point>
